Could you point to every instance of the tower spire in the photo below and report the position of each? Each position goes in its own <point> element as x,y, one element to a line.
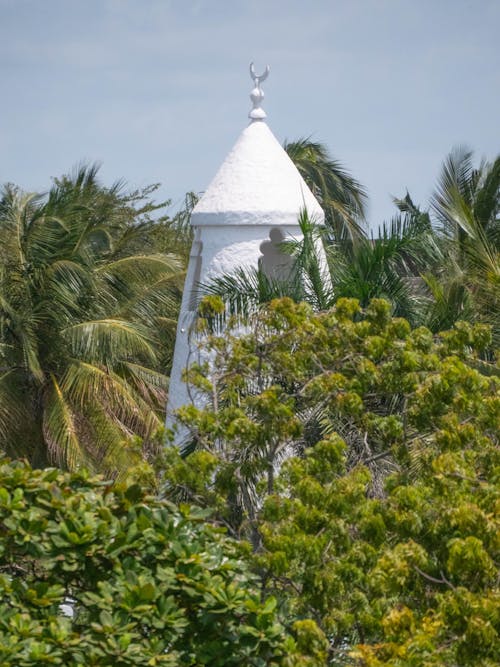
<point>251,205</point>
<point>257,94</point>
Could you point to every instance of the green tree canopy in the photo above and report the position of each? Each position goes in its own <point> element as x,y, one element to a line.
<point>360,458</point>
<point>96,574</point>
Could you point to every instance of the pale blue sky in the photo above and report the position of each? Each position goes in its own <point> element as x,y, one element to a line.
<point>157,90</point>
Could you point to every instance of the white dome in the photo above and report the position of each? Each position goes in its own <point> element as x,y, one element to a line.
<point>257,184</point>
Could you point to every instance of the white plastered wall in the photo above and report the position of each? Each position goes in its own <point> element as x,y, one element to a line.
<point>225,250</point>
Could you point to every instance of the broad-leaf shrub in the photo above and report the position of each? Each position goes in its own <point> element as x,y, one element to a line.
<point>98,574</point>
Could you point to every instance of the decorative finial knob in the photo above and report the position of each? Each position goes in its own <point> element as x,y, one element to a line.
<point>257,94</point>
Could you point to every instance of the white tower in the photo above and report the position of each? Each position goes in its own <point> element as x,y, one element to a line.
<point>252,204</point>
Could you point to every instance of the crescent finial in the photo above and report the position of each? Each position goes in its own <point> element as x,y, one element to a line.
<point>258,78</point>
<point>257,94</point>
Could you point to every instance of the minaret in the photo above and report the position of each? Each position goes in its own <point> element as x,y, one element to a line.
<point>249,208</point>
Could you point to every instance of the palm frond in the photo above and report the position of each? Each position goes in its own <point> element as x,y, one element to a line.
<point>245,290</point>
<point>150,385</point>
<point>311,271</point>
<point>450,302</point>
<point>138,266</point>
<point>22,328</point>
<point>59,428</point>
<point>109,339</point>
<point>86,383</point>
<point>342,197</point>
<point>487,200</point>
<point>144,304</point>
<point>453,192</point>
<point>13,412</point>
<point>104,439</point>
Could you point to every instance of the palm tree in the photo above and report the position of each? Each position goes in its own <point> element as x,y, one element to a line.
<point>389,264</point>
<point>465,284</point>
<point>79,324</point>
<point>342,197</point>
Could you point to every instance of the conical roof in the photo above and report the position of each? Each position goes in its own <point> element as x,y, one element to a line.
<point>257,184</point>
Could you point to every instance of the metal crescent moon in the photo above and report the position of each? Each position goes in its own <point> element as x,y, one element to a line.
<point>261,77</point>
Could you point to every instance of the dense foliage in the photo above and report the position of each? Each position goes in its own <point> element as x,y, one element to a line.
<point>435,266</point>
<point>353,454</point>
<point>97,574</point>
<point>384,525</point>
<point>86,304</point>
